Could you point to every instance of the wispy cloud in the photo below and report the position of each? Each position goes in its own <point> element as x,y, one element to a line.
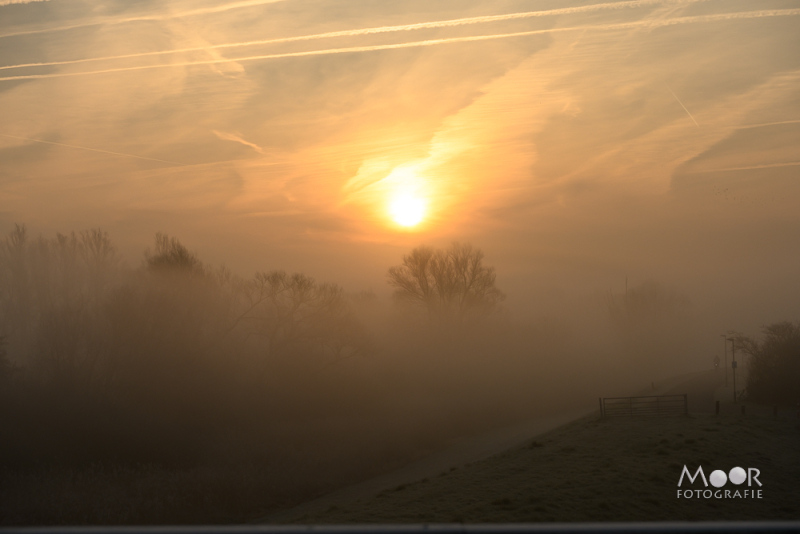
<point>378,30</point>
<point>432,42</point>
<point>141,18</point>
<point>9,2</point>
<point>237,138</point>
<point>91,149</point>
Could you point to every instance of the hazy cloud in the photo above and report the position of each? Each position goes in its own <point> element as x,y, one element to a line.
<point>9,2</point>
<point>105,21</point>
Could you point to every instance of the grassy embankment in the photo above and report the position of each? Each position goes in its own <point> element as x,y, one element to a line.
<point>604,470</point>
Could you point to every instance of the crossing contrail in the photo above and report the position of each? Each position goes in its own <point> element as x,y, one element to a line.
<point>142,18</point>
<point>93,149</point>
<point>681,103</point>
<point>376,30</point>
<point>432,42</point>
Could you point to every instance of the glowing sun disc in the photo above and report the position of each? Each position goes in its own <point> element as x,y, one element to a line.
<point>407,210</point>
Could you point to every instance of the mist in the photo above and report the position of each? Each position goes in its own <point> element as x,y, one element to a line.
<point>160,361</point>
<point>182,365</point>
<point>201,206</point>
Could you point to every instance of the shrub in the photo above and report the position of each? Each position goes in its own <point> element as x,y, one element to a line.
<point>774,369</point>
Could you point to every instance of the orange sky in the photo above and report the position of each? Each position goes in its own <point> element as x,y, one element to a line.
<point>576,143</point>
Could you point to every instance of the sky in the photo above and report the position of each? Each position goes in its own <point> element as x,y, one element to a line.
<point>577,144</point>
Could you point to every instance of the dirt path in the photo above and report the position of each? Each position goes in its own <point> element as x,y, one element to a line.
<point>699,387</point>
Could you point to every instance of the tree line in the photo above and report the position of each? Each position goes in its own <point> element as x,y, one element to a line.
<point>139,363</point>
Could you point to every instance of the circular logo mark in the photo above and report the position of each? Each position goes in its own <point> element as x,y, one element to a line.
<point>718,478</point>
<point>737,475</point>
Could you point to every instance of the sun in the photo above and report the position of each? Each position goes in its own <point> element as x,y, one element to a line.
<point>407,209</point>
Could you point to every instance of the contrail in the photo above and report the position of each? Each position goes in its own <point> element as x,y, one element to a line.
<point>749,167</point>
<point>432,42</point>
<point>681,103</point>
<point>225,136</point>
<point>763,124</point>
<point>143,18</point>
<point>94,149</point>
<point>380,29</point>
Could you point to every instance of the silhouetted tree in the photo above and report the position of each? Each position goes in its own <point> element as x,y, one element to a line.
<point>16,305</point>
<point>294,312</point>
<point>6,369</point>
<point>171,256</point>
<point>450,284</point>
<point>653,326</point>
<point>774,366</point>
<point>646,304</point>
<point>101,258</point>
<point>51,291</point>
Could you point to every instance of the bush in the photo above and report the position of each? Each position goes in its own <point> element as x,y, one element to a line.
<point>774,375</point>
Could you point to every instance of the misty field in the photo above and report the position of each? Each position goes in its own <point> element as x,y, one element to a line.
<point>603,470</point>
<point>257,253</point>
<point>177,392</point>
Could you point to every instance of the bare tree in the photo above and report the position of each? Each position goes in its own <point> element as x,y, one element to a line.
<point>646,304</point>
<point>653,327</point>
<point>450,284</point>
<point>171,256</point>
<point>16,309</point>
<point>294,312</point>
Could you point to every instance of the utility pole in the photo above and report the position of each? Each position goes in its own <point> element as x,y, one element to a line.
<point>725,350</point>
<point>733,365</point>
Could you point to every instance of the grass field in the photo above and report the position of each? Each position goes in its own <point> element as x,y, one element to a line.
<point>604,470</point>
<point>589,470</point>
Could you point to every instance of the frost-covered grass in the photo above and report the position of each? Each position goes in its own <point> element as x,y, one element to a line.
<point>605,470</point>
